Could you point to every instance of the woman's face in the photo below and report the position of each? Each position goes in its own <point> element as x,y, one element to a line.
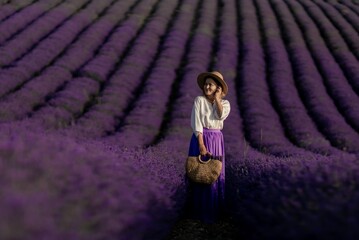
<point>209,87</point>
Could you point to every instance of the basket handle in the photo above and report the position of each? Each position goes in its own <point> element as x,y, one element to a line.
<point>205,162</point>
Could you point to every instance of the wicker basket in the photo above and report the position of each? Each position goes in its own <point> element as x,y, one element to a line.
<point>203,171</point>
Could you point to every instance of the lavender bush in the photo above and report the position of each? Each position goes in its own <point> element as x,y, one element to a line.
<point>197,60</point>
<point>346,29</point>
<point>101,66</point>
<point>295,198</point>
<point>95,100</point>
<point>84,190</point>
<point>347,13</point>
<point>261,121</point>
<point>19,104</point>
<point>299,126</point>
<point>157,88</point>
<point>134,67</point>
<point>313,92</point>
<point>344,50</point>
<point>22,18</point>
<point>10,7</point>
<point>350,5</point>
<point>22,42</point>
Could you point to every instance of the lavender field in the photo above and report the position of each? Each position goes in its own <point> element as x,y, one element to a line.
<point>95,104</point>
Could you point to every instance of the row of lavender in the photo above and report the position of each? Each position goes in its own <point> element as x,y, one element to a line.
<point>294,111</point>
<point>247,168</point>
<point>40,61</point>
<point>349,15</point>
<point>89,219</point>
<point>293,198</point>
<point>296,197</point>
<point>102,65</point>
<point>14,44</point>
<point>144,120</point>
<point>55,187</point>
<point>351,3</point>
<point>8,9</point>
<point>122,87</point>
<point>293,99</point>
<point>342,94</point>
<point>99,97</point>
<point>22,15</point>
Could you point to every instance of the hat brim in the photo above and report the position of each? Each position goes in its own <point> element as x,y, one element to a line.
<point>202,78</point>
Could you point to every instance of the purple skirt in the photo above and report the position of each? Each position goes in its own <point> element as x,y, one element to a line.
<point>206,202</point>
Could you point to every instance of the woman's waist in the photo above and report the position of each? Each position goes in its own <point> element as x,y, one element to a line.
<point>205,129</point>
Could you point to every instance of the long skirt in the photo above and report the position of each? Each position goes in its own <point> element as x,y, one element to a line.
<point>206,202</point>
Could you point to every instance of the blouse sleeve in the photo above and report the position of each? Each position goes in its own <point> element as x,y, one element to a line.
<point>196,123</point>
<point>225,111</point>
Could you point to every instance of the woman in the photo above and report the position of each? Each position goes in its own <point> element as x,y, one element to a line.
<point>206,201</point>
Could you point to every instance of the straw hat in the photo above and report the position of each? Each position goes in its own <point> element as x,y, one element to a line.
<point>217,76</point>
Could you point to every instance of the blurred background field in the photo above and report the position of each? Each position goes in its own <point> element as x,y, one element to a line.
<point>95,103</point>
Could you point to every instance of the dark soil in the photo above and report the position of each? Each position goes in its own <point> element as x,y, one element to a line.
<point>194,229</point>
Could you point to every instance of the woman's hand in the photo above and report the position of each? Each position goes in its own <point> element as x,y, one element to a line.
<point>203,151</point>
<point>218,93</point>
<point>218,101</point>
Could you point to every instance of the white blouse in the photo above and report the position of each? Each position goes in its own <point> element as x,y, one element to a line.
<point>204,115</point>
